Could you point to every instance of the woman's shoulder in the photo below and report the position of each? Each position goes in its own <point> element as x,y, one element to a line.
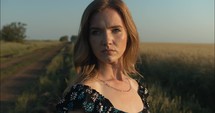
<point>79,96</point>
<point>72,98</point>
<point>140,87</point>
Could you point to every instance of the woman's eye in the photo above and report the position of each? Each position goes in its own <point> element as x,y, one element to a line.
<point>116,30</point>
<point>95,32</point>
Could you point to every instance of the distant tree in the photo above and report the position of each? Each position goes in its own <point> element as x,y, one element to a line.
<point>73,38</point>
<point>14,32</point>
<point>1,35</point>
<point>64,38</point>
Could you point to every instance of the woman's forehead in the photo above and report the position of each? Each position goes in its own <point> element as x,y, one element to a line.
<point>106,18</point>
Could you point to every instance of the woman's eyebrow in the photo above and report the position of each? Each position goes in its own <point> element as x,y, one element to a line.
<point>115,26</point>
<point>94,27</point>
<point>111,27</point>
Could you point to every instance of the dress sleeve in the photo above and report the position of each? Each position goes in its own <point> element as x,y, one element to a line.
<point>72,100</point>
<point>143,91</point>
<point>79,98</point>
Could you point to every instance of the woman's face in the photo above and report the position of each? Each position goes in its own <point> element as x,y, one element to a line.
<point>108,37</point>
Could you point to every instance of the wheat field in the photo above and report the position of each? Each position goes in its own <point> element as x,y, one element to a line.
<point>180,77</point>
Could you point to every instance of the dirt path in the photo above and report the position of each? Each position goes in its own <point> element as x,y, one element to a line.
<point>16,60</point>
<point>13,86</point>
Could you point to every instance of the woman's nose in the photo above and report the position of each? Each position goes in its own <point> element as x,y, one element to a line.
<point>107,39</point>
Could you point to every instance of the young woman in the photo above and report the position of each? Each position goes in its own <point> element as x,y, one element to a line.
<point>104,56</point>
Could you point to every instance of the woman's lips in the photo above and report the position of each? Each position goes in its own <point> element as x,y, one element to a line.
<point>108,51</point>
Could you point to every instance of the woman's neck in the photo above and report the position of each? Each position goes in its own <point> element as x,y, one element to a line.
<point>111,72</point>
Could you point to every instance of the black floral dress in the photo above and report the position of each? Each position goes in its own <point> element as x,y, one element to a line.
<point>89,100</point>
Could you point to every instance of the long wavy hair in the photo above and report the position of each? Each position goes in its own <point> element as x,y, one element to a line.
<point>85,61</point>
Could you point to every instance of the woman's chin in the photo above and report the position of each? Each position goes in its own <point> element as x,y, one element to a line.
<point>111,61</point>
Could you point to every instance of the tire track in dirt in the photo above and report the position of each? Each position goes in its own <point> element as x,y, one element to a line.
<point>13,86</point>
<point>16,60</point>
<point>10,66</point>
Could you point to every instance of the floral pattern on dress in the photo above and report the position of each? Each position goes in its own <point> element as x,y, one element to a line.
<point>85,98</point>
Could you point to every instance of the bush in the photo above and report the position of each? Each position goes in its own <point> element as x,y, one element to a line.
<point>64,38</point>
<point>14,32</point>
<point>73,38</point>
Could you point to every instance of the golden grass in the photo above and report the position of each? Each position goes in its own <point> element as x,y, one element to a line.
<point>175,49</point>
<point>180,76</point>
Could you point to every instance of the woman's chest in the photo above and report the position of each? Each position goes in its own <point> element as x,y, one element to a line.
<point>125,101</point>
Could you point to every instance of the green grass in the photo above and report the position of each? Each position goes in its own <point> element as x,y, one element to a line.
<point>43,96</point>
<point>24,101</point>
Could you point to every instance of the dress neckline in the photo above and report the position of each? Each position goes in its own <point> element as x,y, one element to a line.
<point>109,102</point>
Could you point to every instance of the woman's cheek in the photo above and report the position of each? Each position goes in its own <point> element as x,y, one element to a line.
<point>121,38</point>
<point>94,43</point>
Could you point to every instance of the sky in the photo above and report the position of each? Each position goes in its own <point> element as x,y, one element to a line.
<point>183,21</point>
